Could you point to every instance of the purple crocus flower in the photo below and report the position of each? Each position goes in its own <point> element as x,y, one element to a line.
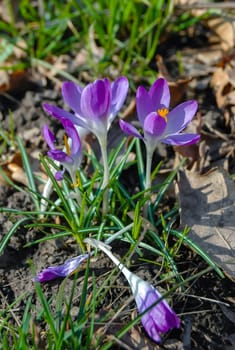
<point>159,124</point>
<point>158,319</point>
<point>70,266</point>
<point>94,107</point>
<point>72,156</point>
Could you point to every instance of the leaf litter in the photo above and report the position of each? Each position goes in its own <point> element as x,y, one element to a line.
<point>207,205</point>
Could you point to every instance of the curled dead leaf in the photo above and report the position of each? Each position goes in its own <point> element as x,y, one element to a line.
<point>223,84</point>
<point>224,30</point>
<point>13,81</point>
<point>13,169</point>
<point>208,207</point>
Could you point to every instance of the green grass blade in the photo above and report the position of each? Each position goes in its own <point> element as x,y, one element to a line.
<point>29,173</point>
<point>10,233</point>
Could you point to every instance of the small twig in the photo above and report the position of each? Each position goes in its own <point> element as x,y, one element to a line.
<point>207,299</point>
<point>199,5</point>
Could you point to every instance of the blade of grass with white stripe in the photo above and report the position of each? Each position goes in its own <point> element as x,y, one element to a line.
<point>11,232</point>
<point>29,173</point>
<point>68,214</point>
<point>199,251</point>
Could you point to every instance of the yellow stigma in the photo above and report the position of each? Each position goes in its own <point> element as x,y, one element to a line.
<point>162,112</point>
<point>77,184</point>
<point>67,147</point>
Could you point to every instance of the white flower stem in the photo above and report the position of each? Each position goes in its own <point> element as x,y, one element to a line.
<point>149,158</point>
<point>48,188</point>
<point>119,233</point>
<point>103,147</point>
<point>106,249</point>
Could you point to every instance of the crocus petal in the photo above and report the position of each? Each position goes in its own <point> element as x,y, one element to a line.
<point>119,90</point>
<point>72,96</point>
<point>160,94</point>
<point>49,137</point>
<point>72,133</point>
<point>96,100</point>
<point>59,156</point>
<point>60,113</point>
<point>129,129</point>
<point>63,270</point>
<point>160,318</point>
<point>181,139</point>
<point>154,124</point>
<point>59,175</point>
<point>180,116</point>
<point>144,104</point>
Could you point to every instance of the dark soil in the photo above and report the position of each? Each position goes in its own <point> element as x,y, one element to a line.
<point>205,323</point>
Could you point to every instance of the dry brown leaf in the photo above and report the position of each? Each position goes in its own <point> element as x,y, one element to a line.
<point>14,170</point>
<point>224,30</point>
<point>209,57</point>
<point>219,81</point>
<point>222,83</point>
<point>208,208</point>
<point>13,81</point>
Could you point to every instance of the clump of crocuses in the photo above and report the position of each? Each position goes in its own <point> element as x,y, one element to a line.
<point>94,108</point>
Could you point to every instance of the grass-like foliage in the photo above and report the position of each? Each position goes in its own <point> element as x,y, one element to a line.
<point>117,36</point>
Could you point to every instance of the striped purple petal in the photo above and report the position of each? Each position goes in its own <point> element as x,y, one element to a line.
<point>63,270</point>
<point>96,100</point>
<point>72,96</point>
<point>160,94</point>
<point>179,117</point>
<point>181,139</point>
<point>129,129</point>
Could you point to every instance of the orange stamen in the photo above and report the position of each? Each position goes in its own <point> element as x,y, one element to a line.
<point>67,147</point>
<point>162,112</point>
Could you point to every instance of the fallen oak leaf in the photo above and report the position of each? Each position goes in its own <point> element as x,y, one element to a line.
<point>14,81</point>
<point>224,31</point>
<point>208,207</point>
<point>18,174</point>
<point>13,169</point>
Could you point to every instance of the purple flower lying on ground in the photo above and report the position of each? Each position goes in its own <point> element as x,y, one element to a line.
<point>70,159</point>
<point>70,266</point>
<point>158,319</point>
